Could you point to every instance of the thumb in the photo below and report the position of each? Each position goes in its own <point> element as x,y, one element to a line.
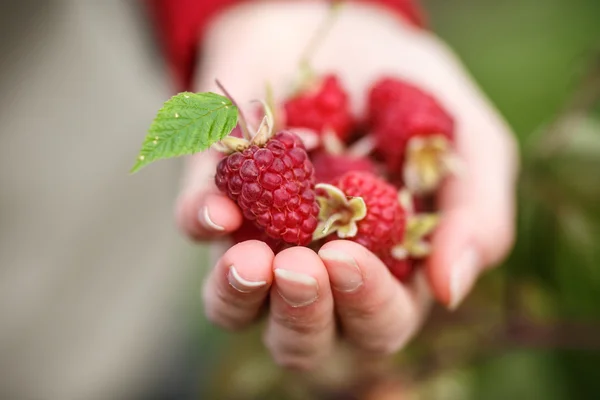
<point>477,215</point>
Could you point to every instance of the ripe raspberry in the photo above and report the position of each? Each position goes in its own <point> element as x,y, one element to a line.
<point>249,231</point>
<point>323,108</point>
<point>402,269</point>
<point>413,134</point>
<point>388,91</point>
<point>329,167</point>
<point>384,224</point>
<point>274,187</point>
<point>399,112</point>
<point>363,208</point>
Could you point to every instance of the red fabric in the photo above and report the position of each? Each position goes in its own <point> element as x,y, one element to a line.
<point>180,25</point>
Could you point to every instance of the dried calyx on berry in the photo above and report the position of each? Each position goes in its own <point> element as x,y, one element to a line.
<point>419,226</point>
<point>338,213</point>
<point>264,132</point>
<point>428,161</point>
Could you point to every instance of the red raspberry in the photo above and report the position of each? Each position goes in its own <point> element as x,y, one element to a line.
<point>401,269</point>
<point>274,187</point>
<point>398,112</point>
<point>249,231</point>
<point>322,108</point>
<point>383,226</point>
<point>329,167</point>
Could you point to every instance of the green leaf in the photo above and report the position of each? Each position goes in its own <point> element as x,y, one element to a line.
<point>187,123</point>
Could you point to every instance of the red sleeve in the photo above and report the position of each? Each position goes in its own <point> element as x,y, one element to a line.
<point>180,26</point>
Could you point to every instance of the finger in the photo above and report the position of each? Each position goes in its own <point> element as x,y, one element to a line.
<point>376,312</point>
<point>237,287</point>
<point>202,212</point>
<point>300,330</point>
<point>477,228</point>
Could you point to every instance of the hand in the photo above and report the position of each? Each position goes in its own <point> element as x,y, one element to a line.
<point>256,43</point>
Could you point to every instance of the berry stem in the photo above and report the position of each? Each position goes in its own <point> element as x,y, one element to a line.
<point>362,147</point>
<point>265,130</point>
<point>270,102</point>
<point>317,38</point>
<point>332,143</point>
<point>242,119</point>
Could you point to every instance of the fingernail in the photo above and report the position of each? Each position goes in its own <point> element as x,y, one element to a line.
<point>343,270</point>
<point>297,289</point>
<point>463,274</point>
<point>240,284</point>
<point>207,222</point>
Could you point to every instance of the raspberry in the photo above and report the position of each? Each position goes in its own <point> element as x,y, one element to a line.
<point>385,220</point>
<point>401,269</point>
<point>274,186</point>
<point>388,91</point>
<point>368,210</point>
<point>329,167</point>
<point>397,127</point>
<point>323,108</point>
<point>411,130</point>
<point>399,112</point>
<point>249,231</point>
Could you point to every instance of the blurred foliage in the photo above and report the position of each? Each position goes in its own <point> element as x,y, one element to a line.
<point>531,329</point>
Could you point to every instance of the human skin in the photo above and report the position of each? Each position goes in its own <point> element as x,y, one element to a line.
<point>345,284</point>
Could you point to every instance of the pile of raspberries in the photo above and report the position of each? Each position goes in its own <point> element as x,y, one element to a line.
<point>316,172</point>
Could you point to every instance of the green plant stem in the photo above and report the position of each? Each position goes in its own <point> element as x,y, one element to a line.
<point>317,39</point>
<point>586,96</point>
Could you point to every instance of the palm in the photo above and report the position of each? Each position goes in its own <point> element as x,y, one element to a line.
<point>306,290</point>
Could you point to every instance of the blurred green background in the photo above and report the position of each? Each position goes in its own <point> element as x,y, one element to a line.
<point>531,329</point>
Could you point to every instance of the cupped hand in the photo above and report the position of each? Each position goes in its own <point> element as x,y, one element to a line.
<point>345,284</point>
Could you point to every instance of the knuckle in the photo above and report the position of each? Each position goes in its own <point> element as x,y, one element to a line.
<point>231,298</point>
<point>302,323</point>
<point>215,317</point>
<point>294,362</point>
<point>366,310</point>
<point>386,334</point>
<point>382,346</point>
<point>227,299</point>
<point>223,315</point>
<point>293,351</point>
<point>221,318</point>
